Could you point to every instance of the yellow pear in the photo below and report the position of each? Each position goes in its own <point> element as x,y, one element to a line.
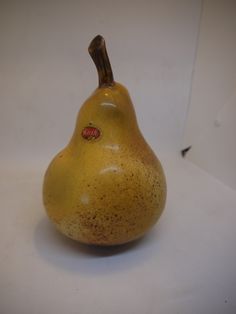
<point>106,187</point>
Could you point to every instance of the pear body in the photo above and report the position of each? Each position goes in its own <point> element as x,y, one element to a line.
<point>106,187</point>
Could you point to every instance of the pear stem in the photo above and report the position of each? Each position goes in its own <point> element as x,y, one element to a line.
<point>98,52</point>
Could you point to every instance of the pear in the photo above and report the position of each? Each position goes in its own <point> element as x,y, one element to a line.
<point>106,187</point>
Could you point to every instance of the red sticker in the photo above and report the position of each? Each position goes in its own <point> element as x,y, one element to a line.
<point>90,133</point>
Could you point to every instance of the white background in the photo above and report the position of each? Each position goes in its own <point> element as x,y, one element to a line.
<point>186,264</point>
<point>211,126</point>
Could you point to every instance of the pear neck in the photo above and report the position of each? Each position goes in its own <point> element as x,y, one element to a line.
<point>98,52</point>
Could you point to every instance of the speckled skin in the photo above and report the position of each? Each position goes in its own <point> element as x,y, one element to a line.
<point>109,190</point>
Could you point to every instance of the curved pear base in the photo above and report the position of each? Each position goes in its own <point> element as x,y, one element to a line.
<point>108,203</point>
<point>101,233</point>
<point>109,236</point>
<point>106,243</point>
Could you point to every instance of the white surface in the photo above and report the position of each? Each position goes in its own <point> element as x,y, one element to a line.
<point>211,124</point>
<point>47,73</point>
<point>186,264</point>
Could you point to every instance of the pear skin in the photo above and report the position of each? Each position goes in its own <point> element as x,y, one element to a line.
<point>106,187</point>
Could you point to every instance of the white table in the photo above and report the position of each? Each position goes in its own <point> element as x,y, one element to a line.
<point>186,264</point>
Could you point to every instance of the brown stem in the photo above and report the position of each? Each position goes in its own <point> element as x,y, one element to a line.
<point>98,52</point>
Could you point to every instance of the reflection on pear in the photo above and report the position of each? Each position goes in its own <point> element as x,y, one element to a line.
<point>106,186</point>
